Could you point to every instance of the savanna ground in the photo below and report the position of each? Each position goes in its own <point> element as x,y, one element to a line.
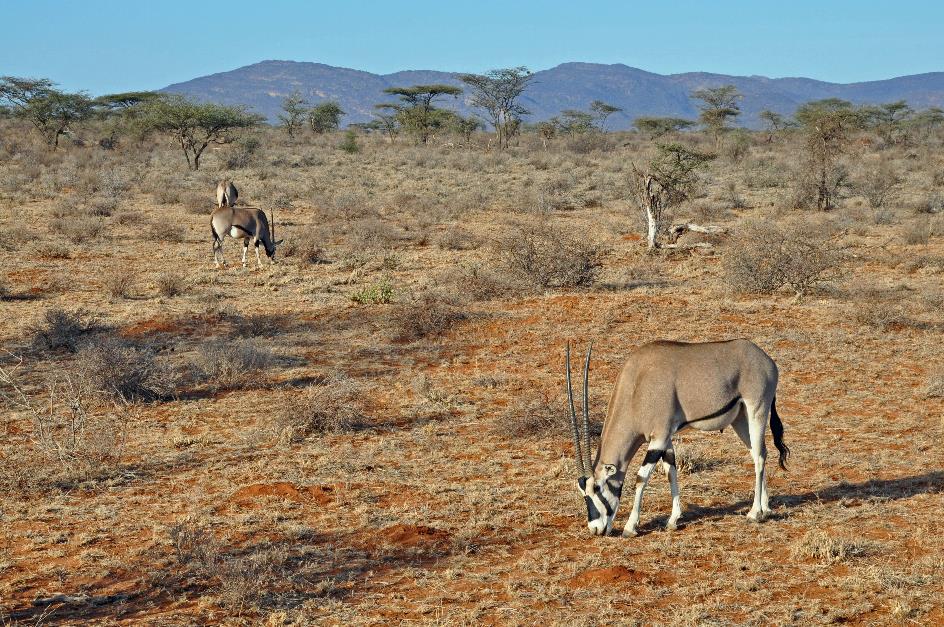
<point>373,430</point>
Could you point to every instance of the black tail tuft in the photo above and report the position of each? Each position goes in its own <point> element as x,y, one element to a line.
<point>776,427</point>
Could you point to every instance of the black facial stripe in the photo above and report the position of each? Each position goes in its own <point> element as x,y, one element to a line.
<point>582,482</point>
<point>615,487</point>
<point>592,512</point>
<point>669,457</point>
<point>652,456</point>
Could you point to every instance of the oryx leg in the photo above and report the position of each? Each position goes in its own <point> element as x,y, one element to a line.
<point>218,253</point>
<point>751,427</point>
<point>245,250</point>
<point>258,259</point>
<point>654,453</point>
<point>672,472</point>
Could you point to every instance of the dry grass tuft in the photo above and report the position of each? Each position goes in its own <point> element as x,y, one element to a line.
<point>826,548</point>
<point>170,284</point>
<point>233,363</point>
<point>428,316</point>
<point>934,388</point>
<point>333,405</point>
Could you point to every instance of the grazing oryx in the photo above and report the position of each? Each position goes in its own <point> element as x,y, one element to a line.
<point>663,388</point>
<point>246,223</point>
<point>226,194</point>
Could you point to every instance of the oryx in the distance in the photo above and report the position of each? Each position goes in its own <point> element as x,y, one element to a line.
<point>663,388</point>
<point>226,194</point>
<point>246,223</point>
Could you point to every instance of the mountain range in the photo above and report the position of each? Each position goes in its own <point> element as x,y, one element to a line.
<point>262,86</point>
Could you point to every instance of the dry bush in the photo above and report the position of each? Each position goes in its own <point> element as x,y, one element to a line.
<point>121,283</point>
<point>548,257</point>
<point>350,206</point>
<point>934,388</point>
<point>170,284</point>
<point>931,205</point>
<point>51,249</point>
<point>886,316</point>
<point>306,249</point>
<point>827,549</point>
<point>241,581</point>
<point>457,237</point>
<point>79,229</point>
<point>333,405</point>
<point>428,316</point>
<point>878,185</point>
<point>917,232</point>
<point>198,202</point>
<point>763,258</point>
<point>58,329</point>
<point>478,282</point>
<point>373,233</point>
<point>535,417</point>
<point>558,193</point>
<point>73,439</point>
<point>232,364</point>
<point>130,217</point>
<point>166,193</point>
<point>125,371</point>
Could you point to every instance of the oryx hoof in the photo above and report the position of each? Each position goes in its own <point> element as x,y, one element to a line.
<point>671,526</point>
<point>630,533</point>
<point>756,517</point>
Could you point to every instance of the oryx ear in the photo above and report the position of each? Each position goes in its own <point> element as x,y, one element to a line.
<point>609,470</point>
<point>279,242</point>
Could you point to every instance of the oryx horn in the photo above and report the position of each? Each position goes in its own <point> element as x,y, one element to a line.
<point>578,454</point>
<point>272,225</point>
<point>586,409</point>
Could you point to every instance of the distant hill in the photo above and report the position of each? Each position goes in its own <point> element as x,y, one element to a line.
<point>264,85</point>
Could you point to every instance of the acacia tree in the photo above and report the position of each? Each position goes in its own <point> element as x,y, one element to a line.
<point>466,128</point>
<point>416,112</point>
<point>51,111</point>
<point>602,111</point>
<point>656,127</point>
<point>574,122</point>
<point>719,106</point>
<point>774,123</point>
<point>547,130</point>
<point>194,126</point>
<point>927,120</point>
<point>295,108</point>
<point>826,124</point>
<point>497,92</point>
<point>387,122</point>
<point>889,120</point>
<point>665,181</point>
<point>325,116</point>
<point>121,113</point>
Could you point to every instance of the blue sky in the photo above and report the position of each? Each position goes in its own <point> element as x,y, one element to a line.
<point>106,46</point>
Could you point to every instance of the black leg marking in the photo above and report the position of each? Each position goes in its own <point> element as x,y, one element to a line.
<point>669,457</point>
<point>652,456</point>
